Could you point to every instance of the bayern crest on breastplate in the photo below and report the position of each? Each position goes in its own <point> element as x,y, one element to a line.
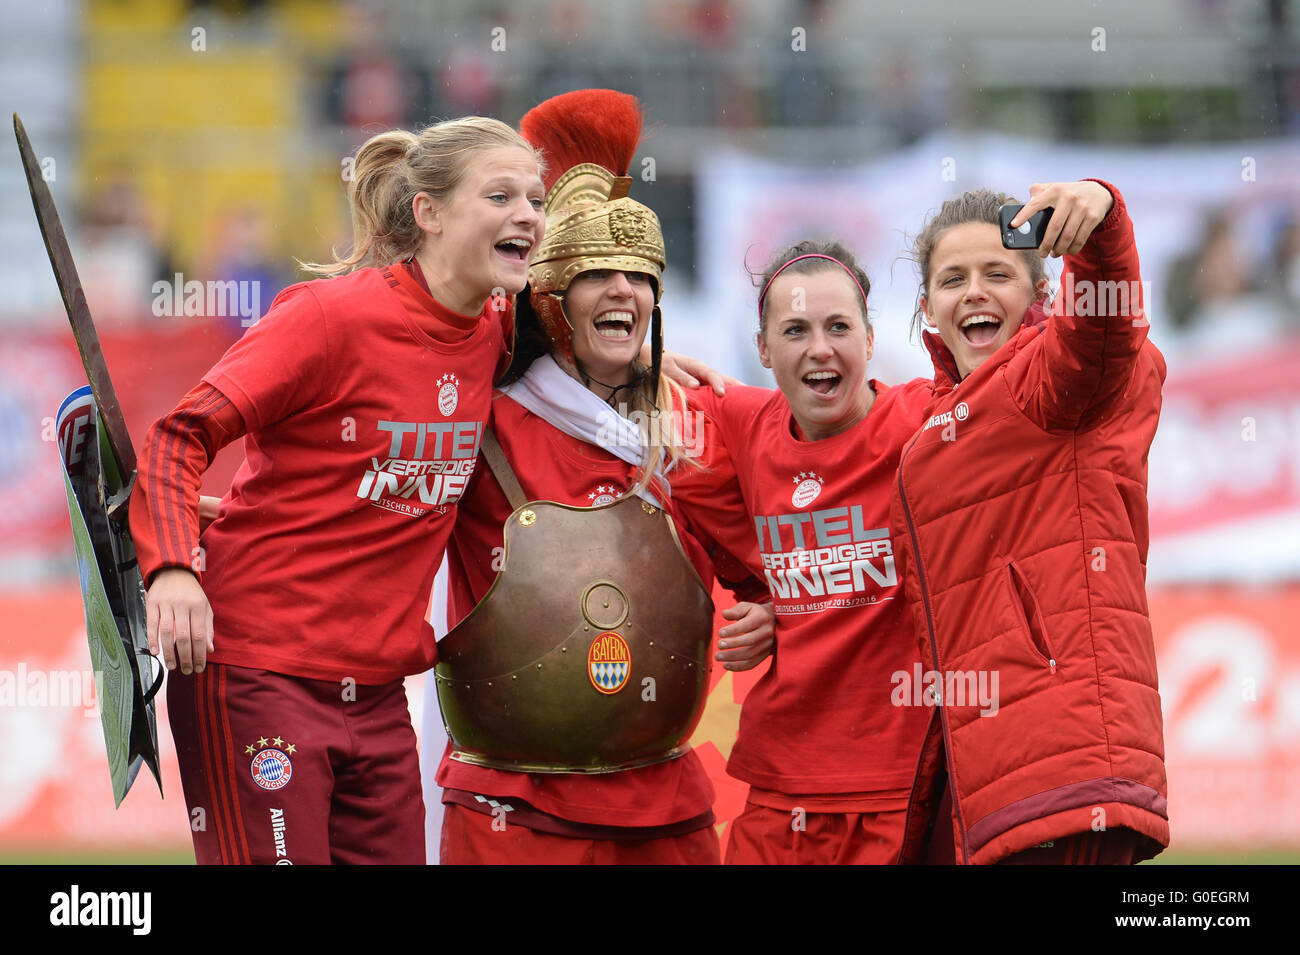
<point>609,662</point>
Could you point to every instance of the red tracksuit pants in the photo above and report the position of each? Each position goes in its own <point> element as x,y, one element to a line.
<point>288,771</point>
<point>764,836</point>
<point>469,838</point>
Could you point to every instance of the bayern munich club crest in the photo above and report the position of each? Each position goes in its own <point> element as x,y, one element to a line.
<point>272,769</point>
<point>448,394</point>
<point>604,494</point>
<point>609,662</point>
<point>808,486</point>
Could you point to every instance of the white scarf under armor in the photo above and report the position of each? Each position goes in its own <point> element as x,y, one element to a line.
<point>564,402</point>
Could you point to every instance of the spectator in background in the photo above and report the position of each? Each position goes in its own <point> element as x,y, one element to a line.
<point>805,84</point>
<point>566,43</point>
<point>1190,287</point>
<point>1211,297</point>
<point>1281,279</point>
<point>903,107</point>
<point>118,258</point>
<point>241,252</point>
<point>371,87</point>
<point>694,40</point>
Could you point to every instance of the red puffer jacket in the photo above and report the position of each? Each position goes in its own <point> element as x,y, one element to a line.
<point>1020,512</point>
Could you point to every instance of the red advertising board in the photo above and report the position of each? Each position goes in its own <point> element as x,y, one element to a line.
<point>1230,681</point>
<point>1228,446</point>
<point>151,367</point>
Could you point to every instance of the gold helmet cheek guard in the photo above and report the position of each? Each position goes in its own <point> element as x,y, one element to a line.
<point>554,320</point>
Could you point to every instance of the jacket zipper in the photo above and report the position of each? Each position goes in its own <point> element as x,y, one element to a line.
<point>934,647</point>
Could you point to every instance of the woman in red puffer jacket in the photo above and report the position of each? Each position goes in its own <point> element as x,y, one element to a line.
<point>1020,512</point>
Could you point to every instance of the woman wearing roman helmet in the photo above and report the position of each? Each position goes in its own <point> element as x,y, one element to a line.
<point>578,669</point>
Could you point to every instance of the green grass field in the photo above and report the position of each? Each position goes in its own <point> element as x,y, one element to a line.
<point>103,857</point>
<point>1220,857</point>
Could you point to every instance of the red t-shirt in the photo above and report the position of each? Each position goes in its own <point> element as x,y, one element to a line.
<point>362,433</point>
<point>553,466</point>
<point>821,719</point>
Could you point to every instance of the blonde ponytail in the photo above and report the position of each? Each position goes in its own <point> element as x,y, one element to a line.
<point>391,168</point>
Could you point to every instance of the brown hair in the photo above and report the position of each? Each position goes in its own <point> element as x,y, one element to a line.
<point>391,168</point>
<point>834,250</point>
<point>977,205</point>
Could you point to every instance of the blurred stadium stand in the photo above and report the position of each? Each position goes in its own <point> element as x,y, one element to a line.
<point>116,87</point>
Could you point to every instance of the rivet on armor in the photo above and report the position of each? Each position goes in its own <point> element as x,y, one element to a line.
<point>528,518</point>
<point>648,507</point>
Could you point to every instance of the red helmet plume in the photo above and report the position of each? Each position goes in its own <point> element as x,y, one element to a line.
<point>598,126</point>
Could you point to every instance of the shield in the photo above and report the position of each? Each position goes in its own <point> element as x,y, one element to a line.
<point>98,474</point>
<point>113,593</point>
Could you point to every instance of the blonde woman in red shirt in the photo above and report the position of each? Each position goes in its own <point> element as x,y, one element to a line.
<point>828,754</point>
<point>289,625</point>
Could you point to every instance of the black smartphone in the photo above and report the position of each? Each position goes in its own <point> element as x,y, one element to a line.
<point>1029,235</point>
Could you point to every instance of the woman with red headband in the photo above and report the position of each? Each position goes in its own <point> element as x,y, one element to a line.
<point>828,757</point>
<point>1021,519</point>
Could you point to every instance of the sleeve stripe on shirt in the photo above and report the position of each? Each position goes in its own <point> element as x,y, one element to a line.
<point>179,432</point>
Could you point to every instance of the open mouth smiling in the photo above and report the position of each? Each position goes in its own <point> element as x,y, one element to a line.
<point>823,383</point>
<point>981,329</point>
<point>615,325</point>
<point>514,249</point>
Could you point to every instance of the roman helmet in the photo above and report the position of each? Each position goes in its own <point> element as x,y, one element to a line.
<point>587,139</point>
